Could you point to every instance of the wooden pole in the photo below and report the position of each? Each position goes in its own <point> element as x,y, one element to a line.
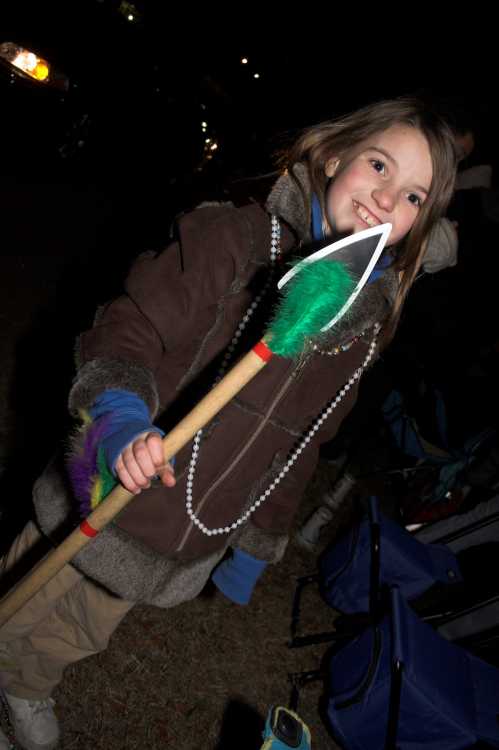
<point>235,380</point>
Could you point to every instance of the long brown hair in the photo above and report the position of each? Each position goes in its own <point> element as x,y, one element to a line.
<point>335,139</point>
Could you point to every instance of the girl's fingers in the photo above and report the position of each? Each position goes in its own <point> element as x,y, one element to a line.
<point>167,476</point>
<point>140,455</point>
<point>155,446</point>
<point>141,461</point>
<point>125,478</point>
<point>138,463</point>
<point>135,472</point>
<point>162,469</point>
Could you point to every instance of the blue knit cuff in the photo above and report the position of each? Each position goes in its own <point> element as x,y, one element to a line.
<point>237,576</point>
<point>128,418</point>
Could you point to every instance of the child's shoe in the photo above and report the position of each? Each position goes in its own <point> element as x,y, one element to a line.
<point>34,723</point>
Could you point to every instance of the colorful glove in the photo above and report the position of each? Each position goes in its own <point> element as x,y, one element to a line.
<point>114,420</point>
<point>237,576</point>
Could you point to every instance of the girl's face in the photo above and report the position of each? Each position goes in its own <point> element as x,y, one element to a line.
<point>386,178</point>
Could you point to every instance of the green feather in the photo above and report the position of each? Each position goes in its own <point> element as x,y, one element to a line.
<point>108,479</point>
<point>310,300</point>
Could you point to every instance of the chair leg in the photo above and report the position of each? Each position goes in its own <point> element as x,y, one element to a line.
<point>300,585</point>
<point>299,680</point>
<point>298,641</point>
<point>394,707</point>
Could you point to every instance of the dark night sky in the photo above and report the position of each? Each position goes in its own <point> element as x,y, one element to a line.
<point>130,124</point>
<point>96,176</point>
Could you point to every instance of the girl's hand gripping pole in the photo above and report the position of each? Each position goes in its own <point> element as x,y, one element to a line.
<point>244,371</point>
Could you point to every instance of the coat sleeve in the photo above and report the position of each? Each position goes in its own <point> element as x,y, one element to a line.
<point>169,298</point>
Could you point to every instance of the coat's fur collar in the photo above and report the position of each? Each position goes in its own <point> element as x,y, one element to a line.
<point>287,201</point>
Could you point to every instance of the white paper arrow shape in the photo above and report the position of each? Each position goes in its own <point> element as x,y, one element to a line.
<point>359,252</point>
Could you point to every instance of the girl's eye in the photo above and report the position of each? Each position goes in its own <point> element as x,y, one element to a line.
<point>415,200</point>
<point>378,166</point>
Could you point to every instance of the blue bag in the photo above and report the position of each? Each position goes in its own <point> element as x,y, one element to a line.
<point>401,685</point>
<point>346,569</point>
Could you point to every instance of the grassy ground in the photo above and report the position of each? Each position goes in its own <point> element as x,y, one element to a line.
<point>201,675</point>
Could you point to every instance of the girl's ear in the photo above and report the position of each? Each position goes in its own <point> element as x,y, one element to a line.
<point>331,166</point>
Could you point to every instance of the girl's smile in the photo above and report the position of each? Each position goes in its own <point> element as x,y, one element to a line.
<point>368,218</point>
<point>385,179</point>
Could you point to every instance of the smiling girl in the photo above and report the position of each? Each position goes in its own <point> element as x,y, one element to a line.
<point>392,161</point>
<point>185,315</point>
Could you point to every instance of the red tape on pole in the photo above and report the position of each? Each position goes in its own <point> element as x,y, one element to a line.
<point>88,530</point>
<point>262,350</point>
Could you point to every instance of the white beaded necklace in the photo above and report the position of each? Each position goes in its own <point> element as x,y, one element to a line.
<point>274,254</point>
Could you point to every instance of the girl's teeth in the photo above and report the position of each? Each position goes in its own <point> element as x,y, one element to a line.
<point>365,216</point>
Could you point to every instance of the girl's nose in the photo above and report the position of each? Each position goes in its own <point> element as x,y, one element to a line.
<point>385,198</point>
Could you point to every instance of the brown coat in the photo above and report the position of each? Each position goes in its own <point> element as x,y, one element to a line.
<point>165,339</point>
<point>180,313</point>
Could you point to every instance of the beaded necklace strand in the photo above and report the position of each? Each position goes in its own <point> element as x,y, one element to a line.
<point>275,252</point>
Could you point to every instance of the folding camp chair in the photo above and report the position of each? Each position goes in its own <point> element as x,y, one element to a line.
<point>474,538</point>
<point>354,573</point>
<point>401,686</point>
